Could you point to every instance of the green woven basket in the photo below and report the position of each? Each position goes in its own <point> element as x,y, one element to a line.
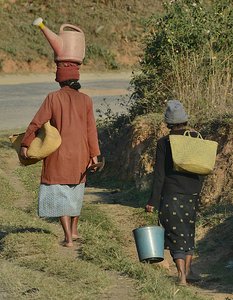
<point>193,154</point>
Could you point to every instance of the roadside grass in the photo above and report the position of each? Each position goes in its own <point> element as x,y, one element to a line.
<point>30,177</point>
<point>32,262</point>
<point>111,28</point>
<point>217,218</point>
<point>33,265</point>
<point>24,283</point>
<point>153,282</point>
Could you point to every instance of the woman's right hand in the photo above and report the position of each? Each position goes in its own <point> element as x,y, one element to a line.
<point>93,161</point>
<point>23,152</point>
<point>149,208</point>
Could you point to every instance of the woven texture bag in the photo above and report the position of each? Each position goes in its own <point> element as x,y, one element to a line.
<point>45,143</point>
<point>193,154</point>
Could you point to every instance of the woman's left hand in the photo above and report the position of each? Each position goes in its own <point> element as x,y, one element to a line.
<point>23,152</point>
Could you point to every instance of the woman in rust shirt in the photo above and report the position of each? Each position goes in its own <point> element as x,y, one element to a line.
<point>62,184</point>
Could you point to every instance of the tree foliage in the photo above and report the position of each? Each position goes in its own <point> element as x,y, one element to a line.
<point>187,48</point>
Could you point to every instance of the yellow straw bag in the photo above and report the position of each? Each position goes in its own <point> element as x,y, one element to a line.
<point>45,143</point>
<point>193,154</point>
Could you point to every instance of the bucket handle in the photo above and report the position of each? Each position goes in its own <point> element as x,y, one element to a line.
<point>159,224</point>
<point>70,26</point>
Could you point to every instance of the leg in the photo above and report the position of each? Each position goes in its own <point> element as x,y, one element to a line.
<point>180,265</point>
<point>190,275</point>
<point>74,225</point>
<point>188,262</point>
<point>179,259</point>
<point>66,225</point>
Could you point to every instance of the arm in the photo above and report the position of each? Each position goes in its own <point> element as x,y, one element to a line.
<point>92,135</point>
<point>42,116</point>
<point>159,176</point>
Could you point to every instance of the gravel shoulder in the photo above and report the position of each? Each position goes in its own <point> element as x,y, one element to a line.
<point>6,79</point>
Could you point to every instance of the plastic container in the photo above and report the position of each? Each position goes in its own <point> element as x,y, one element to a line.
<point>149,243</point>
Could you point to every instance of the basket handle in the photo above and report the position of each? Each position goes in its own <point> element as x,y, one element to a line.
<point>187,133</point>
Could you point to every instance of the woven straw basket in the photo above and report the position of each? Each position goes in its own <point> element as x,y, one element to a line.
<point>45,143</point>
<point>193,154</point>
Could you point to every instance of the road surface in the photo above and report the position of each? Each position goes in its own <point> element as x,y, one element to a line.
<point>21,96</point>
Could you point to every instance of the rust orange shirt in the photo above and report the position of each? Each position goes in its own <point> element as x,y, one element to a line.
<point>71,112</point>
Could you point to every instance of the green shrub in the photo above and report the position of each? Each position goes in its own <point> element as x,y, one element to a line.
<point>188,55</point>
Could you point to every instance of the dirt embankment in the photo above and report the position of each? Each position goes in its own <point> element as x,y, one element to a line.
<point>136,146</point>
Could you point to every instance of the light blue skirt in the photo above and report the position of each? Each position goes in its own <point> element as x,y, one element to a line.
<point>56,200</point>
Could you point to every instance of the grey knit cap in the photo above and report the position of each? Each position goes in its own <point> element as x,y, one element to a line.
<point>175,113</point>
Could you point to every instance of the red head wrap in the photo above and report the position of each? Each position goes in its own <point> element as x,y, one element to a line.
<point>67,71</point>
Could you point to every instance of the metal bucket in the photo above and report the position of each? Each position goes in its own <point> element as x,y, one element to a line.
<point>149,243</point>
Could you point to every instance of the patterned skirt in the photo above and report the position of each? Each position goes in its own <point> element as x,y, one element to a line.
<point>177,214</point>
<point>56,200</point>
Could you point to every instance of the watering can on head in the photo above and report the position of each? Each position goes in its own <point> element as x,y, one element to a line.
<point>69,45</point>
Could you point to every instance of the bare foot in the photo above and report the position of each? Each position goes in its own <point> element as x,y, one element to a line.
<point>182,279</point>
<point>182,283</point>
<point>74,237</point>
<point>64,243</point>
<point>68,244</point>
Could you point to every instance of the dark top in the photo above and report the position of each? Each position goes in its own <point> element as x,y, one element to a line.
<point>168,181</point>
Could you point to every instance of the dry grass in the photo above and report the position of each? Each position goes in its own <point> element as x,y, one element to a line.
<point>203,94</point>
<point>112,31</point>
